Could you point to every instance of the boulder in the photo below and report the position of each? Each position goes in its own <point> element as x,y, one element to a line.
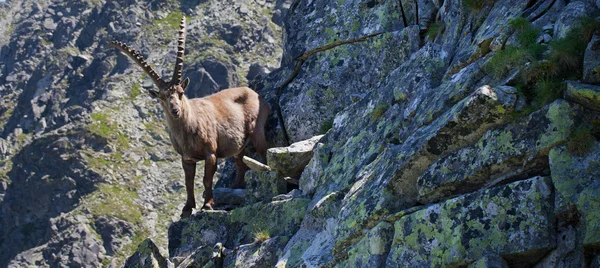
<point>372,250</point>
<point>263,185</point>
<point>278,218</point>
<point>576,181</point>
<point>202,230</point>
<point>501,154</point>
<point>515,221</point>
<point>569,17</point>
<point>290,161</point>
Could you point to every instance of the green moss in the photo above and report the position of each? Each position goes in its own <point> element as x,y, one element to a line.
<point>378,111</point>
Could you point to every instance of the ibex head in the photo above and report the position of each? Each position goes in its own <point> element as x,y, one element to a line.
<point>170,93</point>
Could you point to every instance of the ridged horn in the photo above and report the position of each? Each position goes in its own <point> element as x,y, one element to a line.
<point>178,71</point>
<point>139,59</point>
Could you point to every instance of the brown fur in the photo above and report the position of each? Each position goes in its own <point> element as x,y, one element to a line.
<point>216,126</point>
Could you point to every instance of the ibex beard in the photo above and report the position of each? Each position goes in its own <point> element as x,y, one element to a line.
<point>216,126</point>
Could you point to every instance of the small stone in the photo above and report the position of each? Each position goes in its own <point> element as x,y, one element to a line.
<point>255,165</point>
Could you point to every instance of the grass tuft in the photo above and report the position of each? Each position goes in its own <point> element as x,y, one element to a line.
<point>261,236</point>
<point>435,29</point>
<point>581,141</point>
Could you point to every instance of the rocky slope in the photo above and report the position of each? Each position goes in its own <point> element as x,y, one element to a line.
<point>457,134</point>
<point>86,167</point>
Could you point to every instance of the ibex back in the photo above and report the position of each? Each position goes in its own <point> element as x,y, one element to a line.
<point>216,126</point>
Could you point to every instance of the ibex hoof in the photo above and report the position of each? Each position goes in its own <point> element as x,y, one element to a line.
<point>186,213</point>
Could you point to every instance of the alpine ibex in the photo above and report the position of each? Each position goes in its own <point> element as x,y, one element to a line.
<point>216,126</point>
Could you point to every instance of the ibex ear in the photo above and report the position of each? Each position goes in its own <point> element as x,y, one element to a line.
<point>185,83</point>
<point>153,94</point>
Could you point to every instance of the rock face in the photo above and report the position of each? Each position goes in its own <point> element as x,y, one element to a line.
<point>427,160</point>
<point>87,171</point>
<point>453,134</point>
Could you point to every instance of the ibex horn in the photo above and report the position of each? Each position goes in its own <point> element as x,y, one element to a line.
<point>178,71</point>
<point>139,59</point>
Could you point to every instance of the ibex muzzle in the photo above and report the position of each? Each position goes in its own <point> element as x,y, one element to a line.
<point>216,126</point>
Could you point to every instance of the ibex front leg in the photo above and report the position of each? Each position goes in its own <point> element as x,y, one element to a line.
<point>210,166</point>
<point>189,168</point>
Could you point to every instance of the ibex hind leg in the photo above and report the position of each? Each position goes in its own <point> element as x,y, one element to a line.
<point>259,142</point>
<point>241,169</point>
<point>258,135</point>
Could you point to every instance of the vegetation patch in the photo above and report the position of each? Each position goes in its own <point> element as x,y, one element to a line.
<point>105,128</point>
<point>581,141</point>
<point>261,235</point>
<point>116,201</point>
<point>435,29</point>
<point>135,91</point>
<point>476,5</point>
<point>378,111</point>
<point>326,126</point>
<point>543,67</point>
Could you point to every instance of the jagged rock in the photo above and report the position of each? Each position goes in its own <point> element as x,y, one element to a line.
<point>313,170</point>
<point>336,21</point>
<point>516,150</point>
<point>202,230</point>
<point>389,182</point>
<point>290,161</point>
<point>491,261</point>
<point>591,62</point>
<point>201,257</point>
<point>576,181</point>
<point>203,85</point>
<point>569,248</point>
<point>315,236</point>
<point>263,185</point>
<point>228,196</point>
<point>257,254</point>
<point>147,255</point>
<point>223,74</point>
<point>256,70</point>
<point>278,218</point>
<point>115,233</point>
<point>515,221</point>
<point>569,17</point>
<point>584,94</point>
<point>373,249</point>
